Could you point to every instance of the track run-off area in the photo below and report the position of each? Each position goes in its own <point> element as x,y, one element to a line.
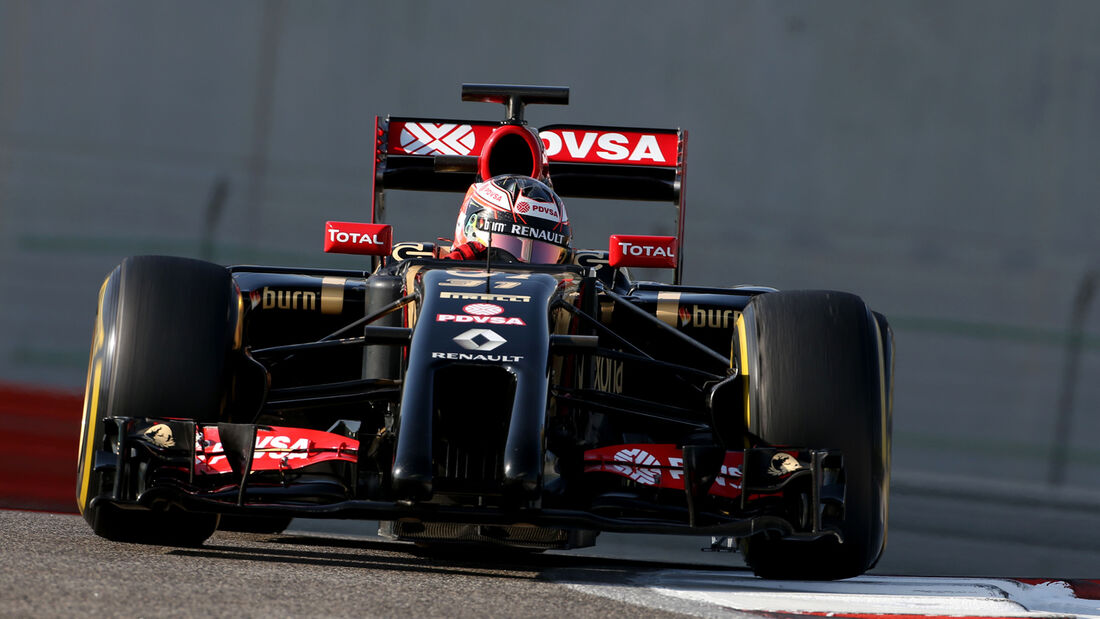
<point>52,565</point>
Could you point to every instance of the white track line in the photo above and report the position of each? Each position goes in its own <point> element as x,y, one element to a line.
<point>874,595</point>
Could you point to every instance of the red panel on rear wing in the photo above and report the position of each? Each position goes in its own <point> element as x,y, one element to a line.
<point>420,137</point>
<point>563,143</point>
<point>611,145</point>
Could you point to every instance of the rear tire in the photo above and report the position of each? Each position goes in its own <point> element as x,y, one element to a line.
<point>164,332</point>
<point>820,367</point>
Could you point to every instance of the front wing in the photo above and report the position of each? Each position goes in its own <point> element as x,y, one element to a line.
<point>282,471</point>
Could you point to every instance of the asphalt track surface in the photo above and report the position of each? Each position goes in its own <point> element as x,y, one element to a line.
<point>52,565</point>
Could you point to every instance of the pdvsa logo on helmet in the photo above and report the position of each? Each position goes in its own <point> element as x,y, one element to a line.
<point>543,210</point>
<point>346,237</point>
<point>492,194</point>
<point>642,251</point>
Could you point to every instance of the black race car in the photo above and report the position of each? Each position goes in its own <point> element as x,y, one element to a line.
<point>493,402</point>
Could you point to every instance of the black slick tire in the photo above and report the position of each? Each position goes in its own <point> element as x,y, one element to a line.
<point>819,374</point>
<point>164,333</point>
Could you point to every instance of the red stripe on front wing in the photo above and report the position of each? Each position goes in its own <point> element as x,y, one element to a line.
<point>277,448</point>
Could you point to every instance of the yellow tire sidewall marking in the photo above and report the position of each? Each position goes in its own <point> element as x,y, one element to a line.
<point>91,401</point>
<point>744,363</point>
<point>89,424</point>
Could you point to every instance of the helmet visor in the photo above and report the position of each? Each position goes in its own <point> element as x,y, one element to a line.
<point>532,241</point>
<point>530,250</point>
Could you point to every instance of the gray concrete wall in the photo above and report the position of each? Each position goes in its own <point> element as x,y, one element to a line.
<point>938,158</point>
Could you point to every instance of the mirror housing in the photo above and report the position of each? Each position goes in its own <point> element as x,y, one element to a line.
<point>349,237</point>
<point>633,250</point>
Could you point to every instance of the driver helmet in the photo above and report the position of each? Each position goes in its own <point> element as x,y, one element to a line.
<point>519,215</point>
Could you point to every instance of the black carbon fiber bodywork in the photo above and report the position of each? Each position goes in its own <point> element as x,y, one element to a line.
<point>479,419</point>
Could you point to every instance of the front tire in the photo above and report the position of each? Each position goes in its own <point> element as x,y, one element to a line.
<point>820,366</point>
<point>164,333</point>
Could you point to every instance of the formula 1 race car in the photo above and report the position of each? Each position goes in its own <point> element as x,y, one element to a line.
<point>493,401</point>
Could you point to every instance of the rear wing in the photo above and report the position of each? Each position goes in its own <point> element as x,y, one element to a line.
<point>582,161</point>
